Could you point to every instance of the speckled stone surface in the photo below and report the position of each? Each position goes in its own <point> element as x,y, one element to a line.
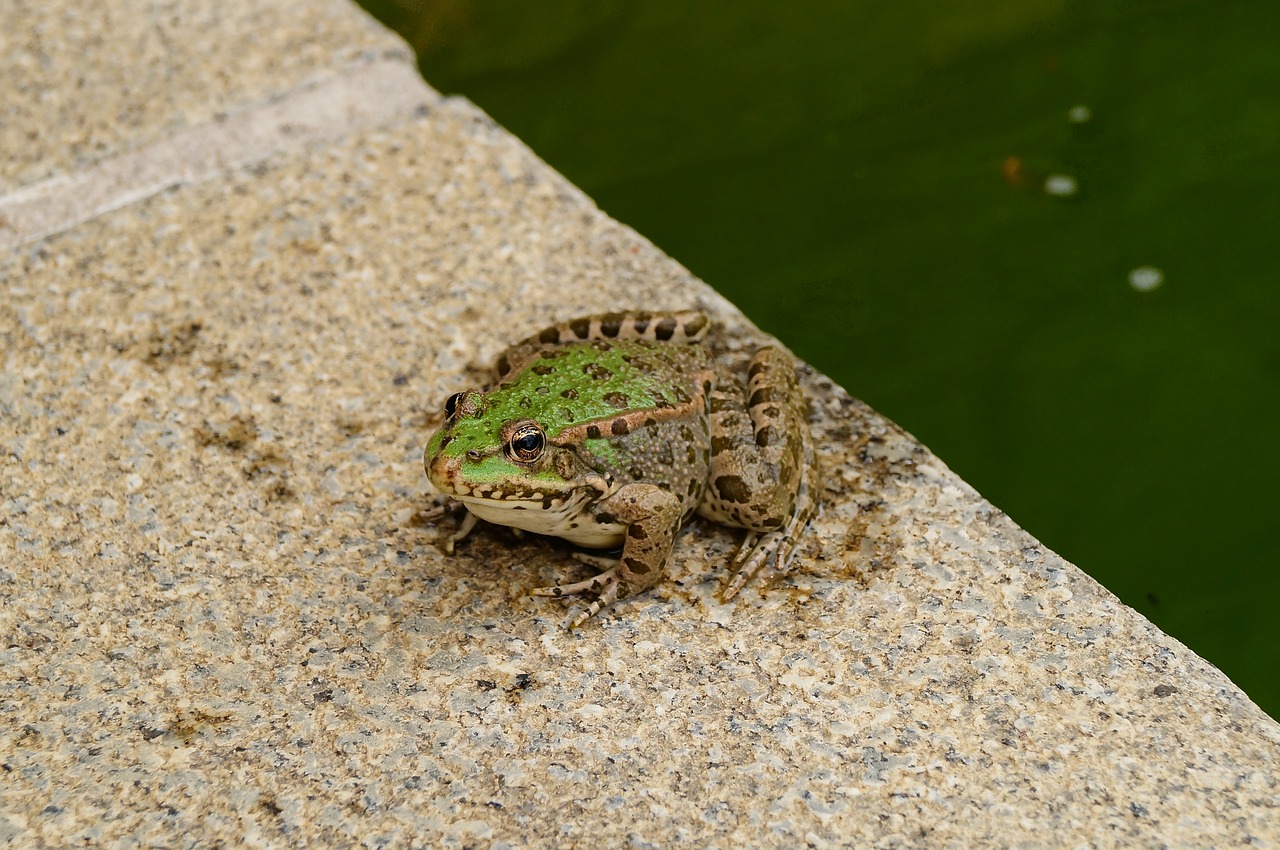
<point>85,80</point>
<point>224,618</point>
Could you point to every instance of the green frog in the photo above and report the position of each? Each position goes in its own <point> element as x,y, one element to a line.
<point>614,430</point>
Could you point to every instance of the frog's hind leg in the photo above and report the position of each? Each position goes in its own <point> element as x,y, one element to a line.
<point>675,326</point>
<point>763,474</point>
<point>767,554</point>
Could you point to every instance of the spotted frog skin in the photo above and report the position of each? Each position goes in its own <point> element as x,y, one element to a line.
<point>613,430</point>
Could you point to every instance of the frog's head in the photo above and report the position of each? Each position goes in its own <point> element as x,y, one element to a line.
<point>486,453</point>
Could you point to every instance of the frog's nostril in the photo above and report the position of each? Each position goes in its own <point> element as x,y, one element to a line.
<point>473,454</point>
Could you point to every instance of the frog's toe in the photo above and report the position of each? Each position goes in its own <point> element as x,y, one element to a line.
<point>440,505</point>
<point>762,555</point>
<point>607,597</point>
<point>607,587</point>
<point>603,562</point>
<point>596,584</point>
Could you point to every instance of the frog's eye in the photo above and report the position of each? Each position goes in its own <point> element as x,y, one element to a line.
<point>527,444</point>
<point>451,404</point>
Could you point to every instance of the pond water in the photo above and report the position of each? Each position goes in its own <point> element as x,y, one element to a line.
<point>1044,238</point>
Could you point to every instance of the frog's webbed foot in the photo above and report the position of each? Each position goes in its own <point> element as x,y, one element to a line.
<point>768,553</point>
<point>765,554</point>
<point>754,557</point>
<point>606,585</point>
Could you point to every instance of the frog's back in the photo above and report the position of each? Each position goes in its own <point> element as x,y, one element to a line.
<point>617,385</point>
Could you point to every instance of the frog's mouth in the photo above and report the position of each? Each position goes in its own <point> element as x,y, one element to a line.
<point>558,515</point>
<point>445,474</point>
<point>557,512</point>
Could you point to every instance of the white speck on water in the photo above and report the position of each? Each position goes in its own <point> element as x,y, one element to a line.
<point>1145,278</point>
<point>1079,114</point>
<point>1061,185</point>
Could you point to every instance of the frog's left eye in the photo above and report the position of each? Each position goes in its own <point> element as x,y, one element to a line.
<point>451,404</point>
<point>527,444</point>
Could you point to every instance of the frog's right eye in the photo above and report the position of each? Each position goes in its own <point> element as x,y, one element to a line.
<point>451,404</point>
<point>527,444</point>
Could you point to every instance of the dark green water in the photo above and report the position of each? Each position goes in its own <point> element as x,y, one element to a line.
<point>867,183</point>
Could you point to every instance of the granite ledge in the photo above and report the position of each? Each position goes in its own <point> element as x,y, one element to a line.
<point>224,617</point>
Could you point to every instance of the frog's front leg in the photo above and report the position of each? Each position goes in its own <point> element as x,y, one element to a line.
<point>652,517</point>
<point>445,505</point>
<point>467,525</point>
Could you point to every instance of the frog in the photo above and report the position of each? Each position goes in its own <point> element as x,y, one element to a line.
<point>613,431</point>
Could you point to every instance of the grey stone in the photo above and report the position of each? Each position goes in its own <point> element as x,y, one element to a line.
<point>224,617</point>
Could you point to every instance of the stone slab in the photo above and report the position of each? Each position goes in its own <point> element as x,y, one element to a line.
<point>364,95</point>
<point>86,81</point>
<point>224,617</point>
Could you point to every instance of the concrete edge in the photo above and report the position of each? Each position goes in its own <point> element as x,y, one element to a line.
<point>348,100</point>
